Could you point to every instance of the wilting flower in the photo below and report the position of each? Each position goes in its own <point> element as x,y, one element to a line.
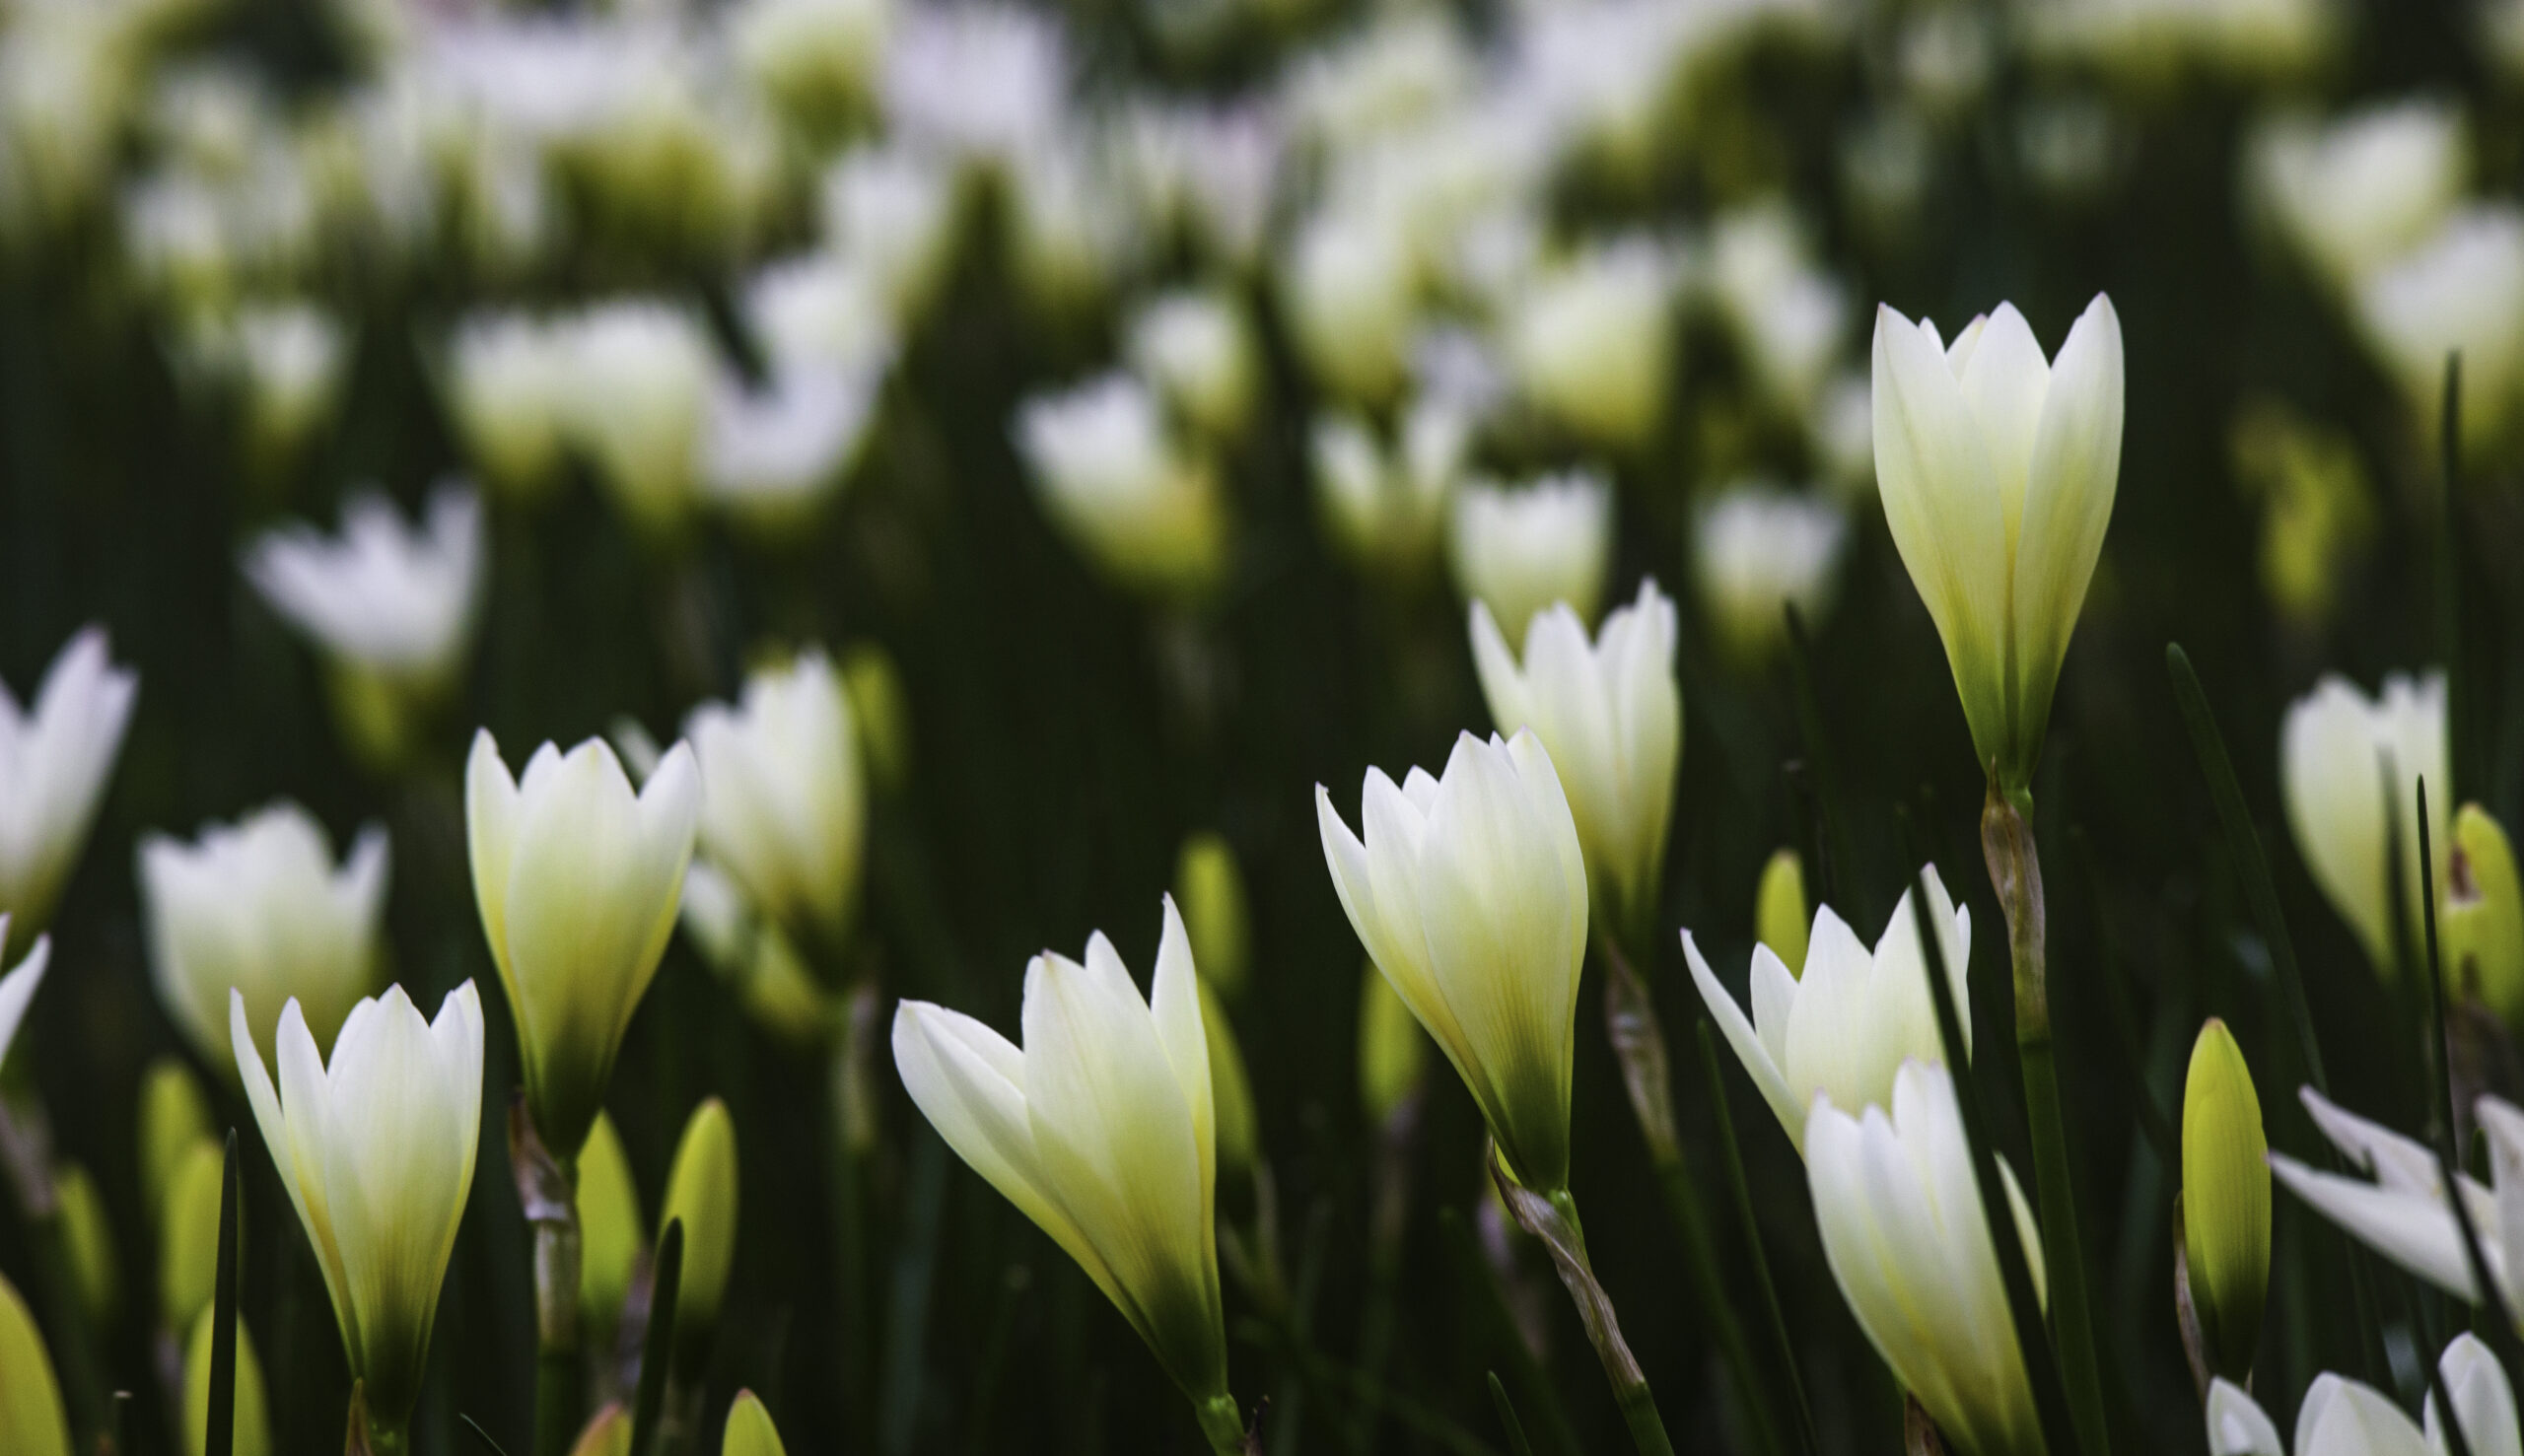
<point>1146,509</point>
<point>1521,550</point>
<point>1196,349</point>
<point>1100,1129</point>
<point>786,806</point>
<point>639,385</point>
<point>2345,1418</point>
<point>1387,508</point>
<point>1611,716</point>
<point>1469,891</point>
<point>506,381</point>
<point>771,456</point>
<point>2346,761</point>
<point>255,910</point>
<point>2461,289</point>
<point>376,1150</point>
<point>1758,550</point>
<point>1996,471</point>
<point>1592,343</point>
<point>1843,1025</point>
<point>2350,194</point>
<point>1901,1217</point>
<point>54,756</point>
<point>577,879</point>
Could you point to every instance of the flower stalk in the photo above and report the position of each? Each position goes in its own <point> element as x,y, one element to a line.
<point>1553,1218</point>
<point>548,1190</point>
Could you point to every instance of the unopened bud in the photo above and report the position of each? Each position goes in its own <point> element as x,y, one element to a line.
<point>1779,915</point>
<point>2225,1201</point>
<point>1239,1134</point>
<point>32,1420</point>
<point>701,1190</point>
<point>749,1430</point>
<point>174,1119</point>
<point>1208,890</point>
<point>609,1226</point>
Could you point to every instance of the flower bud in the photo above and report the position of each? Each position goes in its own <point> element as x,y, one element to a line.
<point>32,1421</point>
<point>253,1433</point>
<point>1239,1130</point>
<point>606,1434</point>
<point>609,1229</point>
<point>1393,1051</point>
<point>749,1430</point>
<point>174,1120</point>
<point>91,1242</point>
<point>880,710</point>
<point>1779,911</point>
<point>785,810</point>
<point>701,1190</point>
<point>65,739</point>
<point>1144,509</point>
<point>2346,761</point>
<point>1521,550</point>
<point>1209,890</point>
<point>1757,551</point>
<point>2225,1201</point>
<point>2484,921</point>
<point>189,1238</point>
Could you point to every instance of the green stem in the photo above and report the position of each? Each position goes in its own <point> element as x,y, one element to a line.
<point>1224,1424</point>
<point>1553,1218</point>
<point>388,1441</point>
<point>559,1373</point>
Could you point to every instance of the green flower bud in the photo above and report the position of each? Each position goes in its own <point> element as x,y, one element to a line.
<point>1239,1135</point>
<point>32,1420</point>
<point>701,1190</point>
<point>188,1240</point>
<point>2225,1201</point>
<point>1208,890</point>
<point>876,690</point>
<point>1393,1051</point>
<point>608,1434</point>
<point>174,1119</point>
<point>92,1242</point>
<point>1780,913</point>
<point>2484,921</point>
<point>253,1430</point>
<point>608,1228</point>
<point>749,1430</point>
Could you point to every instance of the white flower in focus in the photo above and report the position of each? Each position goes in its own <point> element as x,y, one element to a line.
<point>2462,289</point>
<point>785,806</point>
<point>2352,193</point>
<point>506,380</point>
<point>772,455</point>
<point>257,910</point>
<point>1591,343</point>
<point>383,598</point>
<point>1196,349</point>
<point>1756,549</point>
<point>55,754</point>
<point>1126,495</point>
<point>637,392</point>
<point>2342,758</point>
<point>1846,1024</point>
<point>1519,550</point>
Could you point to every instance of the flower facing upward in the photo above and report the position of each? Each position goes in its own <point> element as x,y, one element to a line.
<point>2348,769</point>
<point>54,756</point>
<point>2347,1418</point>
<point>382,598</point>
<point>1998,470</point>
<point>786,809</point>
<point>1521,550</point>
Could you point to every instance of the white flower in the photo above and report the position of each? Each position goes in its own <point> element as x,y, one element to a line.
<point>815,59</point>
<point>1100,1129</point>
<point>2401,1213</point>
<point>376,1150</point>
<point>1842,430</point>
<point>506,381</point>
<point>2462,288</point>
<point>1611,717</point>
<point>891,212</point>
<point>1843,1025</point>
<point>976,79</point>
<point>771,456</point>
<point>384,597</point>
<point>287,361</point>
<point>2342,1418</point>
<point>2354,192</point>
<point>1469,891</point>
<point>1757,549</point>
<point>1070,230</point>
<point>638,389</point>
<point>822,309</point>
<point>577,881</point>
<point>1903,1230</point>
<point>2342,757</point>
<point>1403,69</point>
<point>785,803</point>
<point>1196,349</point>
<point>1591,343</point>
<point>1125,494</point>
<point>54,756</point>
<point>1521,550</point>
<point>18,987</point>
<point>1349,288</point>
<point>1998,470</point>
<point>1787,317</point>
<point>1211,172</point>
<point>1387,508</point>
<point>256,910</point>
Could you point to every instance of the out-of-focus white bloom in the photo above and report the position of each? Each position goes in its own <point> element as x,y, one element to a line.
<point>1607,77</point>
<point>385,599</point>
<point>1211,173</point>
<point>2462,289</point>
<point>1611,716</point>
<point>175,234</point>
<point>1350,291</point>
<point>820,310</point>
<point>1519,550</point>
<point>1101,1129</point>
<point>1788,318</point>
<point>64,84</point>
<point>1405,68</point>
<point>1842,1026</point>
<point>287,363</point>
<point>54,756</point>
<point>785,805</point>
<point>1591,343</point>
<point>1127,496</point>
<point>1469,890</point>
<point>1943,55</point>
<point>18,987</point>
<point>636,395</point>
<point>2341,1417</point>
<point>1070,232</point>
<point>1197,350</point>
<point>1886,167</point>
<point>1756,549</point>
<point>2344,761</point>
<point>2069,147</point>
<point>2349,194</point>
<point>1842,431</point>
<point>1900,1211</point>
<point>376,1150</point>
<point>1387,508</point>
<point>977,79</point>
<point>891,212</point>
<point>815,59</point>
<point>771,456</point>
<point>256,910</point>
<point>506,380</point>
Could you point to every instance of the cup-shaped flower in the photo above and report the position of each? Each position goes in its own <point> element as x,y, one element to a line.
<point>1100,1129</point>
<point>1145,508</point>
<point>772,455</point>
<point>1386,508</point>
<point>1611,717</point>
<point>377,1152</point>
<point>1591,343</point>
<point>1521,550</point>
<point>1756,551</point>
<point>2484,915</point>
<point>1196,349</point>
<point>1844,1026</point>
<point>54,756</point>
<point>389,600</point>
<point>2345,761</point>
<point>1469,891</point>
<point>506,379</point>
<point>1998,471</point>
<point>634,403</point>
<point>578,882</point>
<point>785,812</point>
<point>2346,1418</point>
<point>1903,1231</point>
<point>2460,291</point>
<point>257,908</point>
<point>2225,1202</point>
<point>2349,194</point>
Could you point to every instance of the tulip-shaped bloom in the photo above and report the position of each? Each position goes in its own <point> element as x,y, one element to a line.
<point>1387,508</point>
<point>2403,1214</point>
<point>1197,350</point>
<point>1998,471</point>
<point>54,756</point>
<point>638,390</point>
<point>2346,761</point>
<point>772,457</point>
<point>506,381</point>
<point>786,809</point>
<point>1100,1129</point>
<point>1592,343</point>
<point>1844,1026</point>
<point>1148,512</point>
<point>1521,550</point>
<point>2462,290</point>
<point>1611,717</point>
<point>1469,891</point>
<point>1756,551</point>
<point>377,1152</point>
<point>2345,1418</point>
<point>257,909</point>
<point>1902,1225</point>
<point>2352,193</point>
<point>578,881</point>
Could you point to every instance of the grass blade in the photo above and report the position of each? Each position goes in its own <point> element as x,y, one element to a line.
<point>219,1436</point>
<point>1518,1445</point>
<point>656,1350</point>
